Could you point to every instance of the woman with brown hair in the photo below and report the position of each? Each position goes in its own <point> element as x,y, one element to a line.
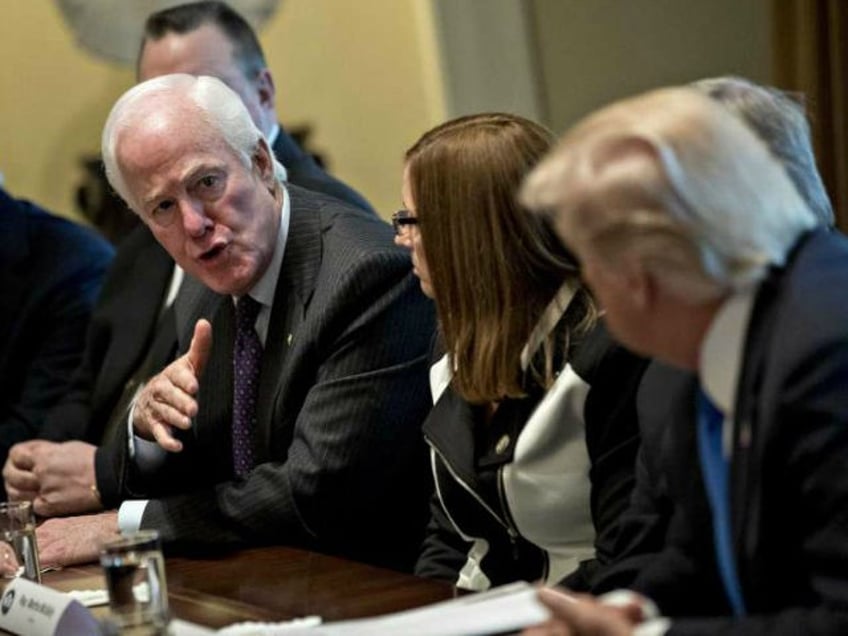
<point>533,434</point>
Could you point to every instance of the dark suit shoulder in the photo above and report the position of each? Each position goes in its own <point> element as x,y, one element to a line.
<point>304,172</point>
<point>798,333</point>
<point>349,234</point>
<point>50,275</point>
<point>62,244</point>
<point>138,252</point>
<point>600,360</point>
<point>801,292</point>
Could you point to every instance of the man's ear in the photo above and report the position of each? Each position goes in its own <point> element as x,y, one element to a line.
<point>641,285</point>
<point>624,152</point>
<point>266,91</point>
<point>263,163</point>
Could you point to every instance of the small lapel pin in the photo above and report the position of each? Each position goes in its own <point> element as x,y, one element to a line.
<point>745,435</point>
<point>288,340</point>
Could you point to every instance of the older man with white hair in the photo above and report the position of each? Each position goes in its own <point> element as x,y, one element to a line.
<point>132,330</point>
<point>705,256</point>
<point>294,415</point>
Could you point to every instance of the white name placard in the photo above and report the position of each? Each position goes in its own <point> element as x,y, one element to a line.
<point>30,609</point>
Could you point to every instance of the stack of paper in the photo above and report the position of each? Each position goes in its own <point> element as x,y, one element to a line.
<point>500,610</point>
<point>503,609</point>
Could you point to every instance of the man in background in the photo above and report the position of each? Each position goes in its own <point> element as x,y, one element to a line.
<point>50,275</point>
<point>209,38</point>
<point>132,334</point>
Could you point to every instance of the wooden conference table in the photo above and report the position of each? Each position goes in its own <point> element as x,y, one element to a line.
<point>274,584</point>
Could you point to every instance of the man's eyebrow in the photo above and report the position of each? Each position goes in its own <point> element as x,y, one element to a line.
<point>200,170</point>
<point>188,177</point>
<point>148,202</point>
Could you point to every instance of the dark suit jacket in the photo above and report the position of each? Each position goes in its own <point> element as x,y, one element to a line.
<point>304,172</point>
<point>50,274</point>
<point>789,472</point>
<point>121,328</point>
<point>124,325</point>
<point>343,390</point>
<point>665,404</point>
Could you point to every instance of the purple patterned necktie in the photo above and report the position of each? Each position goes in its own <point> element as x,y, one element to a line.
<point>247,357</point>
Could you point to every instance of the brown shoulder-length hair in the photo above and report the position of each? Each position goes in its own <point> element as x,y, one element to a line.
<point>494,266</point>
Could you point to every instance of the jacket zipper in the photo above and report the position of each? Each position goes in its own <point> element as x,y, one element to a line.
<point>512,534</point>
<point>511,530</point>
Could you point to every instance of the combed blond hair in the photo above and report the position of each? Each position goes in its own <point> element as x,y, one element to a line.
<point>674,181</point>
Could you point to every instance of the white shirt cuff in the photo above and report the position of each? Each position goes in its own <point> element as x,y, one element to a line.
<point>145,454</point>
<point>653,624</point>
<point>654,627</point>
<point>623,598</point>
<point>130,431</point>
<point>130,514</point>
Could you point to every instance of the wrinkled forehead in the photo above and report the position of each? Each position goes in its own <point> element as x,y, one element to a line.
<point>156,152</point>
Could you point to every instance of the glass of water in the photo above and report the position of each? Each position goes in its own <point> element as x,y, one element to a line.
<point>19,550</point>
<point>134,570</point>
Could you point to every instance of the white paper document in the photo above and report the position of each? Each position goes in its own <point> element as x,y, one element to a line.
<point>504,609</point>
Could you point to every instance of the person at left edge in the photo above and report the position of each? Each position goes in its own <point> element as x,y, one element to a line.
<point>335,458</point>
<point>50,274</point>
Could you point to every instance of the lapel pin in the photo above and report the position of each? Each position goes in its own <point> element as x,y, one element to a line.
<point>745,435</point>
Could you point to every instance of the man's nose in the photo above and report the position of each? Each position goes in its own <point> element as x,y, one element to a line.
<point>194,218</point>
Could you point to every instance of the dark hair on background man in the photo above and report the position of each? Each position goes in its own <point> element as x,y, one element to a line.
<point>186,18</point>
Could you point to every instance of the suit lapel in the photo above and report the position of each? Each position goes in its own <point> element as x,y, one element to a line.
<point>745,494</point>
<point>291,155</point>
<point>295,286</point>
<point>215,400</point>
<point>193,302</point>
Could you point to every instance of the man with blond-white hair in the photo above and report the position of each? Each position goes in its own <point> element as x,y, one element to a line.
<point>705,257</point>
<point>779,120</point>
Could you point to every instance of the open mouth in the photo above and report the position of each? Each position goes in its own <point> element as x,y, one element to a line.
<point>214,252</point>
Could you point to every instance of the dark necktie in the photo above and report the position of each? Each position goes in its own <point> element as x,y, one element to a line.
<point>714,467</point>
<point>247,357</point>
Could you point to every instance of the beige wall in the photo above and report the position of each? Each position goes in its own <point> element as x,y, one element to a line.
<point>361,73</point>
<point>487,54</point>
<point>594,51</point>
<point>370,76</point>
<point>53,100</point>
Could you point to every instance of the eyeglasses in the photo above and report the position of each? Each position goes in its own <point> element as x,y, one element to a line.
<point>402,220</point>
